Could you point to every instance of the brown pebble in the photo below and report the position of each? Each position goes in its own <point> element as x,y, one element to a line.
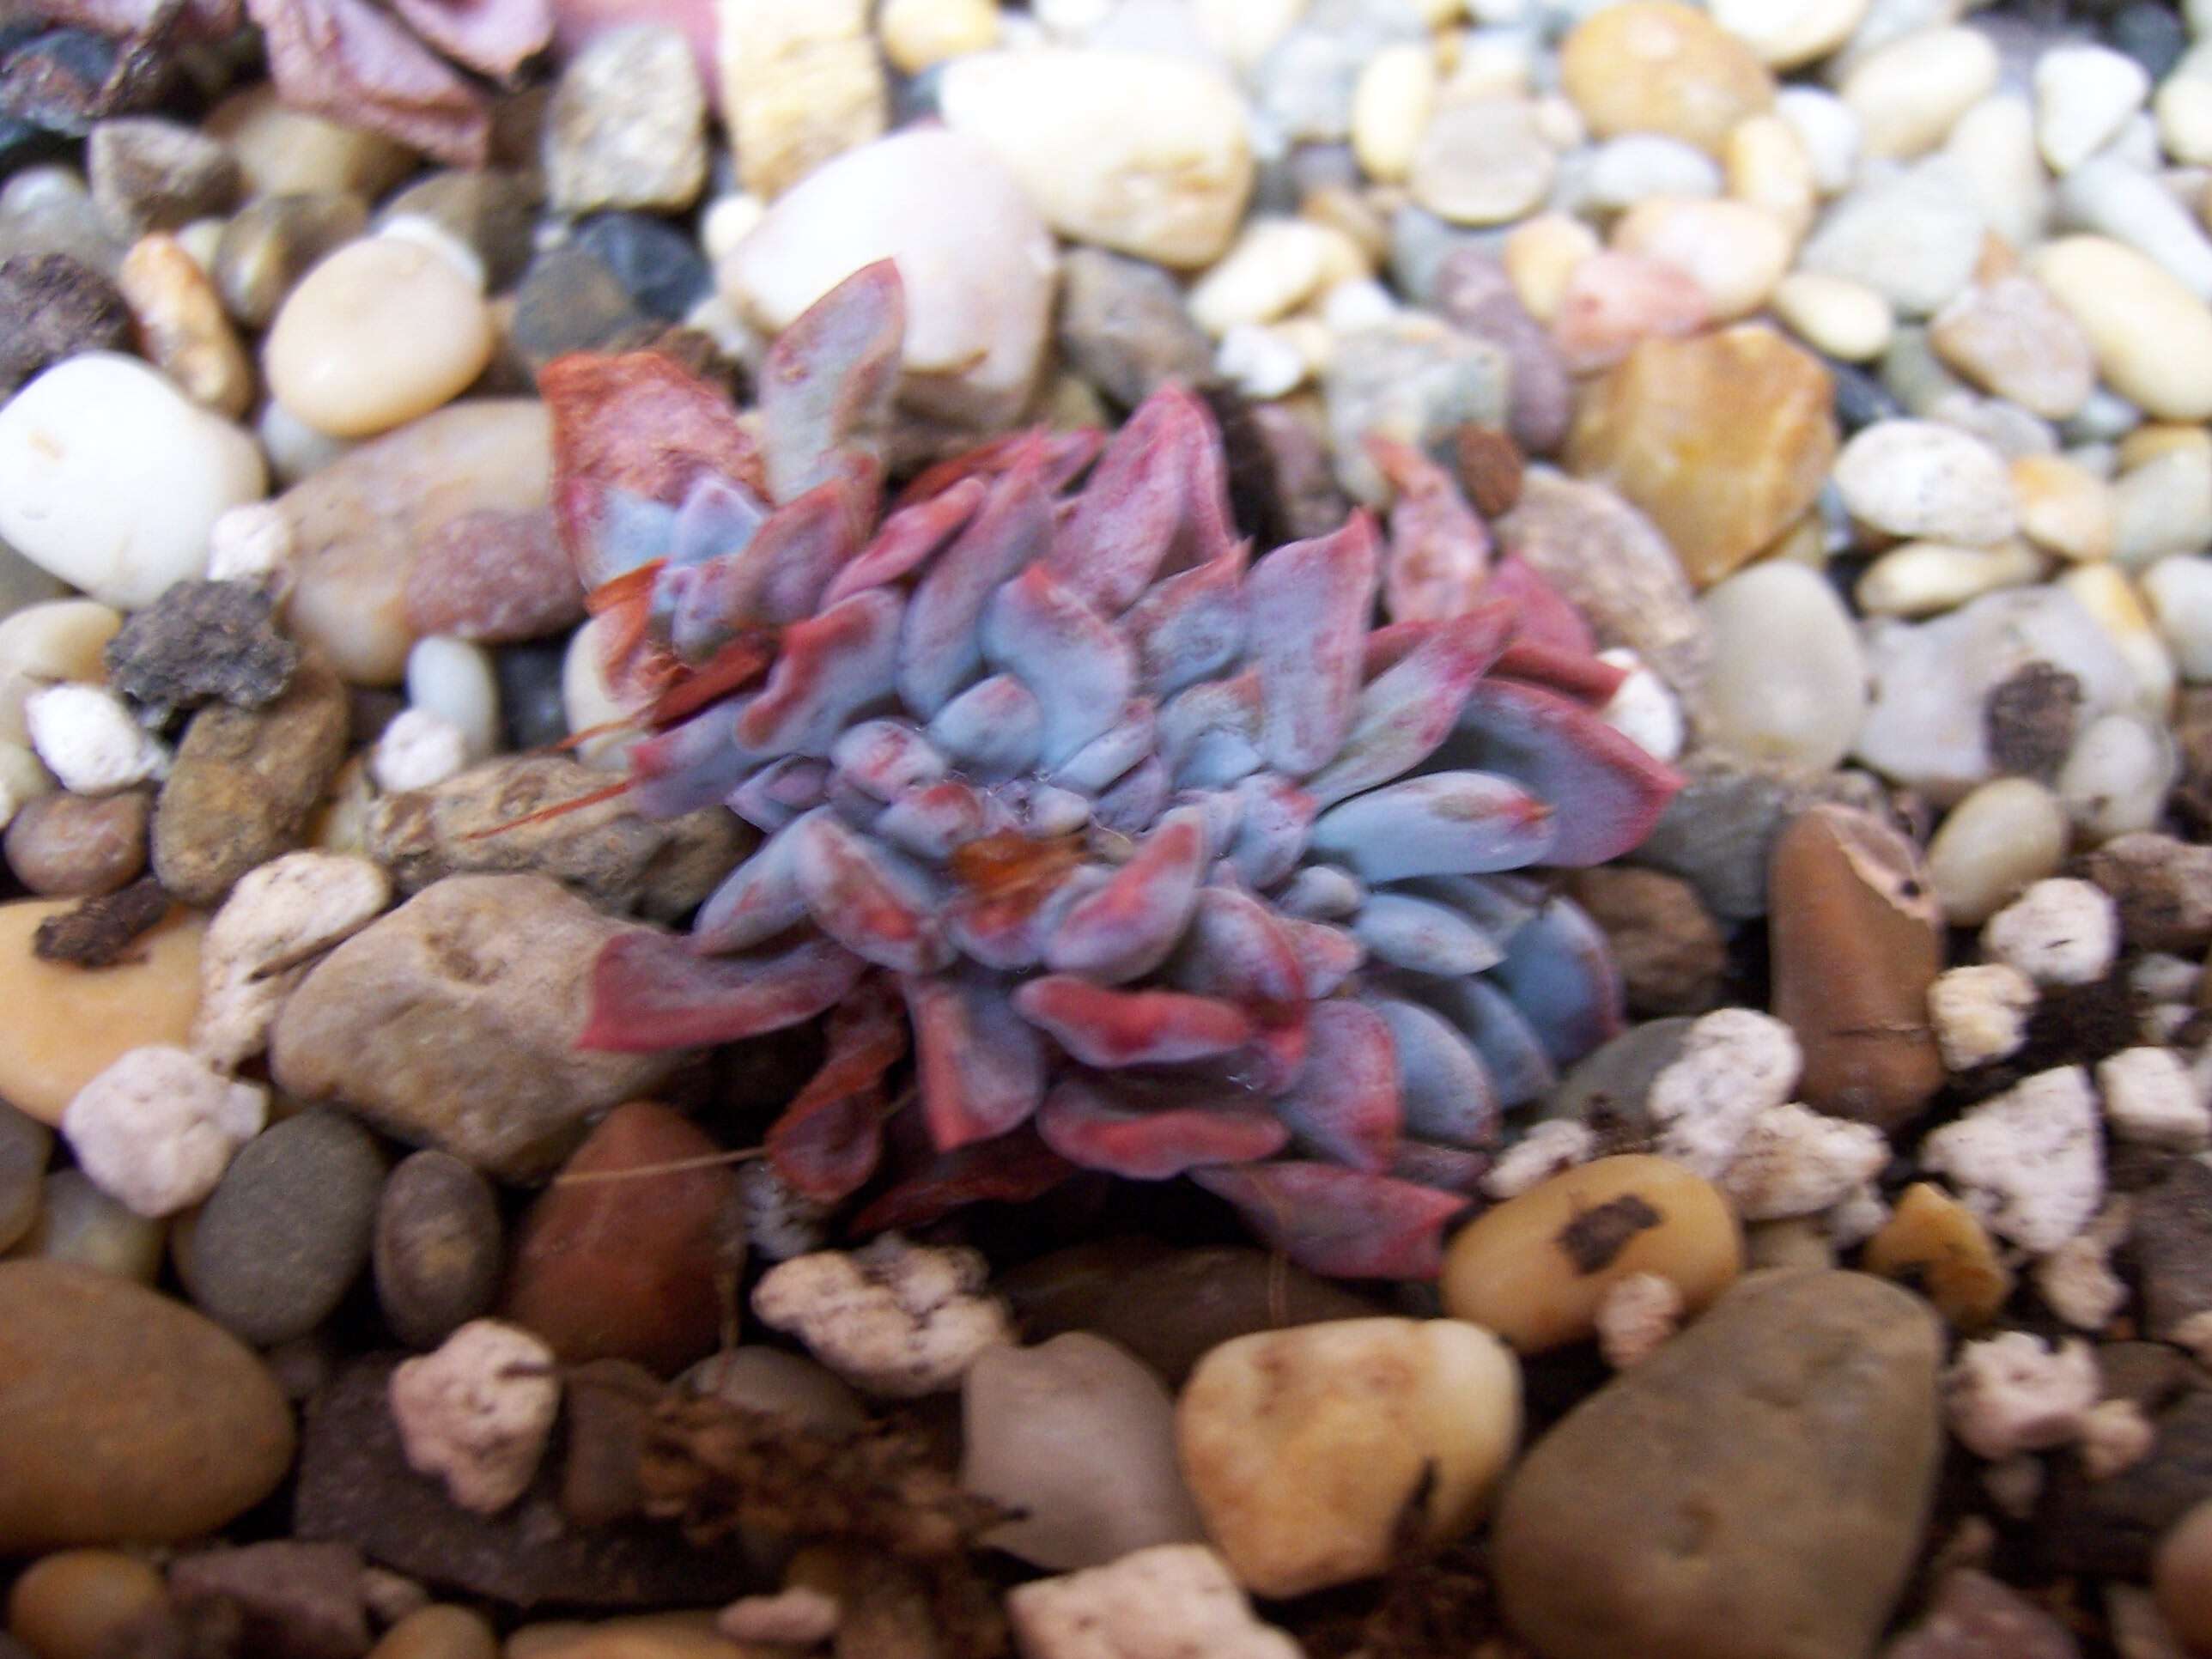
<point>436,1254</point>
<point>1857,939</point>
<point>2181,1578</point>
<point>70,1604</point>
<point>65,845</point>
<point>53,308</point>
<point>438,1632</point>
<point>1490,469</point>
<point>1671,953</point>
<point>608,1403</point>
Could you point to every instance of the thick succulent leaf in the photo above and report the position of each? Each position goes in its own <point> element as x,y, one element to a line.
<point>1045,809</point>
<point>887,758</point>
<point>352,63</point>
<point>1307,608</point>
<point>1111,1029</point>
<point>778,577</point>
<point>1079,665</point>
<point>1445,823</point>
<point>942,650</point>
<point>981,1066</point>
<point>1408,709</point>
<point>1211,729</point>
<point>688,766</point>
<point>872,900</point>
<point>1130,513</point>
<point>780,792</point>
<point>1328,956</point>
<point>832,668</point>
<point>1423,936</point>
<point>1520,1069</point>
<point>1446,1088</point>
<point>1559,972</point>
<point>1498,904</point>
<point>932,821</point>
<point>735,664</point>
<point>1345,1102</point>
<point>1322,892</point>
<point>1013,1169</point>
<point>995,727</point>
<point>1544,615</point>
<point>853,807</point>
<point>1345,1223</point>
<point>1447,1169</point>
<point>826,384</point>
<point>494,38</point>
<point>908,538</point>
<point>1004,924</point>
<point>651,991</point>
<point>1605,792</point>
<point>715,519</point>
<point>1272,829</point>
<point>1439,553</point>
<point>1586,679</point>
<point>1238,950</point>
<point>1154,1132</point>
<point>757,900</point>
<point>1106,758</point>
<point>1191,626</point>
<point>1137,799</point>
<point>1128,926</point>
<point>830,1139</point>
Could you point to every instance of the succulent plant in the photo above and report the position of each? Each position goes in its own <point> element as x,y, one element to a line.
<point>1166,860</point>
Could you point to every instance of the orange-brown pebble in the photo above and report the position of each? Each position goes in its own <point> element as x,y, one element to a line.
<point>68,1605</point>
<point>1660,66</point>
<point>438,1632</point>
<point>2181,1578</point>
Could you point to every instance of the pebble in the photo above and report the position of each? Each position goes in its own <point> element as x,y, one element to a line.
<point>1734,252</point>
<point>1913,236</point>
<point>1856,939</point>
<point>1483,161</point>
<point>1656,66</point>
<point>2132,205</point>
<point>1789,684</point>
<point>2084,94</point>
<point>2181,1577</point>
<point>71,846</point>
<point>1919,478</point>
<point>2179,592</point>
<point>452,1021</point>
<point>25,1145</point>
<point>496,576</point>
<point>2105,591</point>
<point>477,1413</point>
<point>800,85</point>
<point>2029,1160</point>
<point>453,678</point>
<point>156,1129</point>
<point>2014,340</point>
<point>286,1231</point>
<point>1122,323</point>
<point>2163,506</point>
<point>182,326</point>
<point>439,1632</point>
<point>897,1320</point>
<point>1475,294</point>
<point>1391,105</point>
<point>570,300</point>
<point>780,1384</point>
<point>111,479</point>
<point>1612,302</point>
<point>1415,380</point>
<point>295,1600</point>
<point>589,704</point>
<point>2004,835</point>
<point>920,33</point>
<point>1920,579</point>
<point>1540,254</point>
<point>1171,189</point>
<point>53,308</point>
<point>1174,1598</point>
<point>2163,888</point>
<point>1078,1437</point>
<point>976,259</point>
<point>147,174</point>
<point>2183,106</point>
<point>1934,1244</point>
<point>627,126</point>
<point>1303,1447</point>
<point>1672,955</point>
<point>269,244</point>
<point>74,1604</point>
<point>1835,315</point>
<point>1908,94</point>
<point>1787,34</point>
<point>89,738</point>
<point>1827,128</point>
<point>436,1249</point>
<point>82,1226</point>
<point>1972,1614</point>
<point>2063,507</point>
<point>662,270</point>
<point>285,152</point>
<point>419,749</point>
<point>1800,1413</point>
<point>2152,338</point>
<point>1769,168</point>
<point>1276,265</point>
<point>620,1259</point>
<point>2115,780</point>
<point>492,213</point>
<point>1536,1268</point>
<point>1629,169</point>
<point>115,1396</point>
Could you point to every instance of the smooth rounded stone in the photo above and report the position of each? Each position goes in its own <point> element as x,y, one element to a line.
<point>590,703</point>
<point>805,1392</point>
<point>2181,1578</point>
<point>1735,252</point>
<point>1909,94</point>
<point>2179,593</point>
<point>1536,1268</point>
<point>1786,34</point>
<point>2183,106</point>
<point>182,326</point>
<point>110,478</point>
<point>1768,1470</point>
<point>436,1248</point>
<point>130,1416</point>
<point>357,523</point>
<point>52,308</point>
<point>2063,507</point>
<point>1391,104</point>
<point>1080,1437</point>
<point>74,1604</point>
<point>1827,129</point>
<point>1788,680</point>
<point>79,1224</point>
<point>620,1258</point>
<point>1656,66</point>
<point>1856,938</point>
<point>1919,478</point>
<point>1483,161</point>
<point>245,782</point>
<point>2116,777</point>
<point>1171,188</point>
<point>2132,205</point>
<point>1637,166</point>
<point>146,174</point>
<point>26,1144</point>
<point>1612,301</point>
<point>659,266</point>
<point>494,576</point>
<point>2007,834</point>
<point>1122,326</point>
<point>1992,157</point>
<point>492,213</point>
<point>67,1024</point>
<point>2013,339</point>
<point>453,1021</point>
<point>453,678</point>
<point>1275,266</point>
<point>2163,506</point>
<point>2084,94</point>
<point>381,332</point>
<point>1304,1448</point>
<point>1723,439</point>
<point>976,260</point>
<point>2105,591</point>
<point>1540,254</point>
<point>627,124</point>
<point>289,152</point>
<point>920,33</point>
<point>269,244</point>
<point>286,1231</point>
<point>65,845</point>
<point>2152,338</point>
<point>1913,236</point>
<point>439,1632</point>
<point>1769,168</point>
<point>1413,378</point>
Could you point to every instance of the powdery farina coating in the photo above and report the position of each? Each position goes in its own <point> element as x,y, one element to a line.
<point>1794,1161</point>
<point>1735,1065</point>
<point>897,1320</point>
<point>1172,1601</point>
<point>87,739</point>
<point>476,1412</point>
<point>158,1128</point>
<point>2151,1099</point>
<point>1636,1316</point>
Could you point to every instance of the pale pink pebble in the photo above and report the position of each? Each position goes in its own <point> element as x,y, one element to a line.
<point>492,575</point>
<point>1613,299</point>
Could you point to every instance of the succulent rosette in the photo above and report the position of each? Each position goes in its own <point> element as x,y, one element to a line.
<point>1164,857</point>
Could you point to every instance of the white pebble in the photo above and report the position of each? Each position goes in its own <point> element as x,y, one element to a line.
<point>1356,303</point>
<point>2012,1394</point>
<point>2115,780</point>
<point>455,678</point>
<point>419,749</point>
<point>1789,680</point>
<point>1645,709</point>
<point>49,644</point>
<point>2164,506</point>
<point>726,222</point>
<point>279,917</point>
<point>1549,1148</point>
<point>2059,932</point>
<point>2153,336</point>
<point>2006,834</point>
<point>1391,104</point>
<point>1275,267</point>
<point>2084,94</point>
<point>2030,1160</point>
<point>1980,1013</point>
<point>2133,205</point>
<point>1173,1599</point>
<point>477,1413</point>
<point>1263,363</point>
<point>1794,1161</point>
<point>2184,109</point>
<point>158,1128</point>
<point>895,1319</point>
<point>1907,94</point>
<point>1786,34</point>
<point>1735,253</point>
<point>1829,129</point>
<point>2180,594</point>
<point>87,739</point>
<point>1636,1317</point>
<point>2151,1099</point>
<point>253,543</point>
<point>1629,169</point>
<point>1734,1066</point>
<point>1920,479</point>
<point>1992,151</point>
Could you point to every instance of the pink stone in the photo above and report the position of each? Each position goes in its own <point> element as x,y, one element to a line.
<point>1613,299</point>
<point>494,576</point>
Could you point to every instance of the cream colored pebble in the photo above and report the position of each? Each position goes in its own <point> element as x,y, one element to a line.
<point>87,739</point>
<point>1540,254</point>
<point>1846,319</point>
<point>895,1319</point>
<point>1391,105</point>
<point>1923,578</point>
<point>2059,932</point>
<point>279,917</point>
<point>1980,1013</point>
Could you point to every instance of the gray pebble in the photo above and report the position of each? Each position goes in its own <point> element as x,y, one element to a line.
<point>152,174</point>
<point>437,1254</point>
<point>25,1145</point>
<point>269,245</point>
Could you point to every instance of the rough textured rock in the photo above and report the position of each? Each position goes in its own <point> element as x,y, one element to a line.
<point>53,308</point>
<point>2109,1527</point>
<point>608,852</point>
<point>1754,1490</point>
<point>201,641</point>
<point>1671,953</point>
<point>129,1415</point>
<point>1122,326</point>
<point>452,1022</point>
<point>244,783</point>
<point>294,1601</point>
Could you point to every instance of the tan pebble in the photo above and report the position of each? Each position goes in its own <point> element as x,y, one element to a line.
<point>42,645</point>
<point>71,1604</point>
<point>438,1632</point>
<point>1540,255</point>
<point>2152,338</point>
<point>1656,66</point>
<point>1535,1269</point>
<point>289,152</point>
<point>1276,265</point>
<point>1847,320</point>
<point>68,1024</point>
<point>642,1636</point>
<point>1303,1447</point>
<point>1766,166</point>
<point>2155,438</point>
<point>2063,507</point>
<point>381,331</point>
<point>66,846</point>
<point>1734,252</point>
<point>1933,1243</point>
<point>917,33</point>
<point>181,322</point>
<point>2011,338</point>
<point>1485,161</point>
<point>1391,105</point>
<point>1908,94</point>
<point>802,84</point>
<point>2181,1578</point>
<point>1923,578</point>
<point>1354,218</point>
